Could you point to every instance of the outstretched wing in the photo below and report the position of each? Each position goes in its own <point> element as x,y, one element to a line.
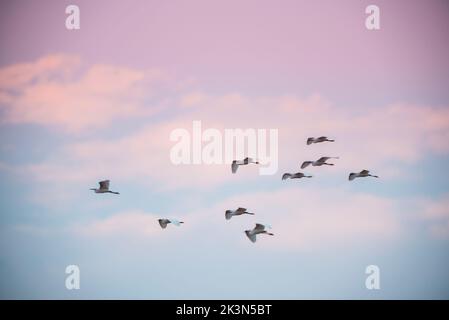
<point>364,171</point>
<point>305,164</point>
<point>248,160</point>
<point>104,185</point>
<point>251,237</point>
<point>234,166</point>
<point>163,223</point>
<point>259,227</point>
<point>310,140</point>
<point>298,175</point>
<point>323,159</point>
<point>286,176</point>
<point>352,176</point>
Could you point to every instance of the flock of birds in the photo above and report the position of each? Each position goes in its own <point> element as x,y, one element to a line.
<point>259,228</point>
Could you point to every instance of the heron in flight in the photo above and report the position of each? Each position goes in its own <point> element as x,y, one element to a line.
<point>321,161</point>
<point>318,140</point>
<point>297,175</point>
<point>361,174</point>
<point>164,222</point>
<point>236,163</point>
<point>104,187</point>
<point>258,229</point>
<point>230,213</point>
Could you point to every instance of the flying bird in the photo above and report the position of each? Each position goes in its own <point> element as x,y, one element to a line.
<point>321,161</point>
<point>318,140</point>
<point>363,173</point>
<point>258,229</point>
<point>104,188</point>
<point>230,213</point>
<point>236,163</point>
<point>164,222</point>
<point>297,175</point>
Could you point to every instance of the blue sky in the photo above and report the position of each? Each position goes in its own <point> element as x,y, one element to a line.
<point>100,103</point>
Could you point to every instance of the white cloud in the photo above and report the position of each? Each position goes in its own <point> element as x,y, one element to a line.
<point>434,213</point>
<point>135,223</point>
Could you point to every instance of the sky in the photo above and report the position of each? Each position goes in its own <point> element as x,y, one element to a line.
<point>80,106</point>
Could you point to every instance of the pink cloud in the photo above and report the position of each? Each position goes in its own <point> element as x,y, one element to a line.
<point>437,209</point>
<point>299,218</point>
<point>15,77</point>
<point>133,227</point>
<point>376,138</point>
<point>381,139</point>
<point>57,91</point>
<point>434,213</point>
<point>135,223</point>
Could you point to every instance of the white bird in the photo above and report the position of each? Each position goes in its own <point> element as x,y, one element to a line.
<point>318,140</point>
<point>258,229</point>
<point>297,175</point>
<point>104,188</point>
<point>321,161</point>
<point>164,222</point>
<point>230,213</point>
<point>236,163</point>
<point>363,173</point>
